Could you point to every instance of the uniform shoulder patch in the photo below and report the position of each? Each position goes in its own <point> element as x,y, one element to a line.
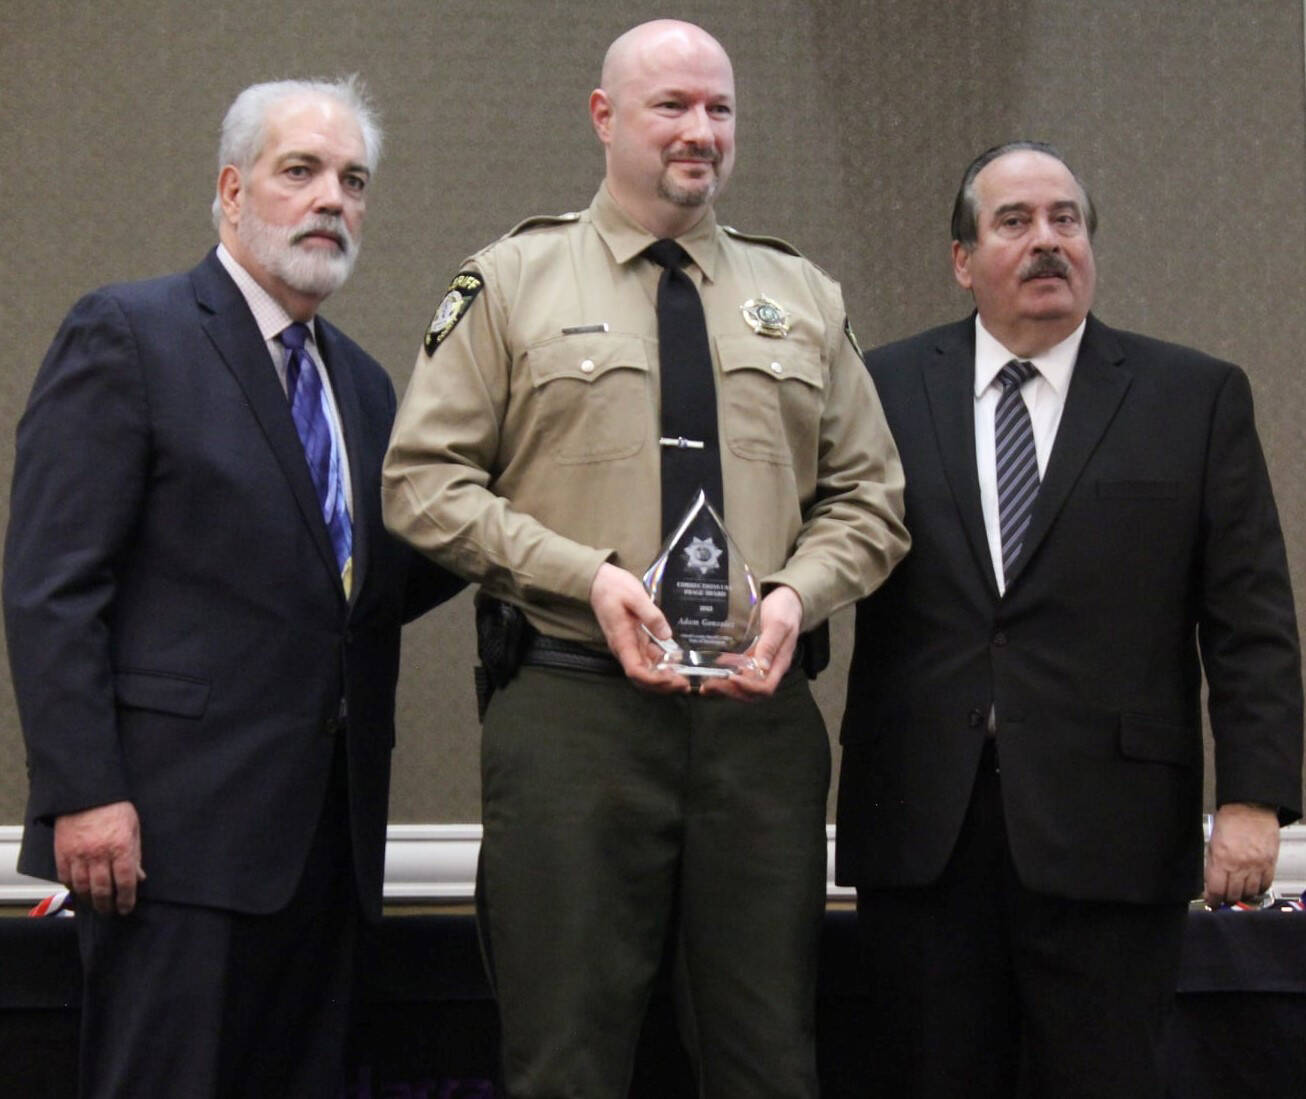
<point>538,221</point>
<point>757,238</point>
<point>462,292</point>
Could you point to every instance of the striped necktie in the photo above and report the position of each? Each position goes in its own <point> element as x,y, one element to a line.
<point>309,409</point>
<point>1017,461</point>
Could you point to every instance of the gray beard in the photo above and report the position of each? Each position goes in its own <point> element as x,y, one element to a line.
<point>308,271</point>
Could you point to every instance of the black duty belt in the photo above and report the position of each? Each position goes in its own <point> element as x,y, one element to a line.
<point>572,656</point>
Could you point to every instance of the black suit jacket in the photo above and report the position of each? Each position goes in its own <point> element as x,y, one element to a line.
<point>177,631</point>
<point>1154,539</point>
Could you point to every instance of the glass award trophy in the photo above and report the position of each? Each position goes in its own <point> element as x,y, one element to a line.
<point>702,584</point>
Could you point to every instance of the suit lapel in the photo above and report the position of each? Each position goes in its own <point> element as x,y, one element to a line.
<point>1097,386</point>
<point>231,328</point>
<point>950,390</point>
<point>336,357</point>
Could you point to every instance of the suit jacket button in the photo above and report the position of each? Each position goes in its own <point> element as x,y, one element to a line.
<point>999,639</point>
<point>976,718</point>
<point>331,726</point>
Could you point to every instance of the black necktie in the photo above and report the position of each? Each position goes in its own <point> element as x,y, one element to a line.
<point>691,458</point>
<point>1017,461</point>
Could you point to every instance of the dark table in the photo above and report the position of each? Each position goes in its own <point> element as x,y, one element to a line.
<point>426,1028</point>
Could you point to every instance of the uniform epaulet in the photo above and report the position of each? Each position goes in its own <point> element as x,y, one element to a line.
<point>540,220</point>
<point>776,243</point>
<point>756,238</point>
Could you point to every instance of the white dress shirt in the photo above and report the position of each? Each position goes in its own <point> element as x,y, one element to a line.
<point>1045,397</point>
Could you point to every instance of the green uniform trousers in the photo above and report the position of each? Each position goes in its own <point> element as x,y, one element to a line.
<point>615,818</point>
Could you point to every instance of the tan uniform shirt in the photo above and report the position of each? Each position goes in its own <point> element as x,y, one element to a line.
<point>525,452</point>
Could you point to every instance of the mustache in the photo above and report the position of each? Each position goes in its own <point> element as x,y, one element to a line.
<point>708,153</point>
<point>1045,263</point>
<point>331,224</point>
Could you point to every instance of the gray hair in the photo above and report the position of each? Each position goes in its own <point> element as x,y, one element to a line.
<point>243,128</point>
<point>965,210</point>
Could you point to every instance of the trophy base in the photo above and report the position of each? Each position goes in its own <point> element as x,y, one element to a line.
<point>705,664</point>
<point>695,671</point>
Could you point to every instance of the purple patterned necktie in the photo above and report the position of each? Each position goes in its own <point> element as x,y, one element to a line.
<point>309,410</point>
<point>1017,461</point>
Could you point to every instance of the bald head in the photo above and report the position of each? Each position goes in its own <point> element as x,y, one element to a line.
<point>665,113</point>
<point>640,47</point>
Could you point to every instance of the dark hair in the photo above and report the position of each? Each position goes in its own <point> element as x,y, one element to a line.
<point>965,215</point>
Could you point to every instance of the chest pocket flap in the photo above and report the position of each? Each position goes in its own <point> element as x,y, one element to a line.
<point>591,395</point>
<point>772,393</point>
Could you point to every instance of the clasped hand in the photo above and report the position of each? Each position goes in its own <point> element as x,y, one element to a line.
<point>624,612</point>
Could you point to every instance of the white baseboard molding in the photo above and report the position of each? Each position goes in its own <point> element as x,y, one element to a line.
<point>436,864</point>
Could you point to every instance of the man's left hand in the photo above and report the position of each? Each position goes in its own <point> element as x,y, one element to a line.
<point>781,619</point>
<point>1241,856</point>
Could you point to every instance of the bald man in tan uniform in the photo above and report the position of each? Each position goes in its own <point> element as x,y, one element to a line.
<point>620,810</point>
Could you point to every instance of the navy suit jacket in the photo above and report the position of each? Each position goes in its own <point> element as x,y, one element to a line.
<point>1154,551</point>
<point>177,630</point>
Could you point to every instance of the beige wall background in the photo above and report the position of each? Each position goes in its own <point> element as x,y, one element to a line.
<point>1187,119</point>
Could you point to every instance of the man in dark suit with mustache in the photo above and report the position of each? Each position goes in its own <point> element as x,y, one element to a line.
<point>1020,803</point>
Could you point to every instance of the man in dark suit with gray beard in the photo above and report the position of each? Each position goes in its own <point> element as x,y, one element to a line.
<point>203,615</point>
